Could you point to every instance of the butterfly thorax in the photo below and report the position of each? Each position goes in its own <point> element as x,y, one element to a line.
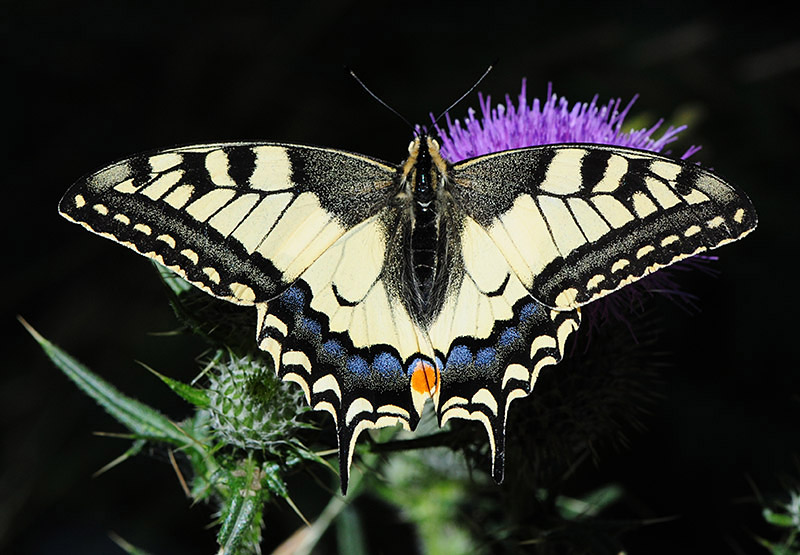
<point>423,173</point>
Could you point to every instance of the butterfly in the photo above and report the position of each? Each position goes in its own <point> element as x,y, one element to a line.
<point>381,287</point>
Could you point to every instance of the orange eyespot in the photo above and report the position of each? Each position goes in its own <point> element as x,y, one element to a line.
<point>425,378</point>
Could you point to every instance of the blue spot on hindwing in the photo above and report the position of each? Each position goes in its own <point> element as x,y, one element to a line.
<point>387,363</point>
<point>333,347</point>
<point>460,356</point>
<point>357,365</point>
<point>485,356</point>
<point>527,311</point>
<point>508,337</point>
<point>311,325</point>
<point>293,298</point>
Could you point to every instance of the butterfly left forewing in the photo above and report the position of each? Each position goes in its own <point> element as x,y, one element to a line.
<point>239,220</point>
<point>577,222</point>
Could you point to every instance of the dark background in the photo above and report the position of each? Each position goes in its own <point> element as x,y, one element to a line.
<point>87,83</point>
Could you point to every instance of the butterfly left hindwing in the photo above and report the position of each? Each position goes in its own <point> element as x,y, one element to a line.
<point>343,332</point>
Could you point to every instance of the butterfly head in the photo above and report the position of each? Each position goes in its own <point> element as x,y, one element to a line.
<point>424,167</point>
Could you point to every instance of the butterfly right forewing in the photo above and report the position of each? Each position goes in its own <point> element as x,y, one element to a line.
<point>577,222</point>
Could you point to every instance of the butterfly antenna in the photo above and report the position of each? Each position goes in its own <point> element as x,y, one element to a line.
<point>463,96</point>
<point>379,99</point>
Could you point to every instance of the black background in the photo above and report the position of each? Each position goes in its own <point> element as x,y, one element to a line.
<point>87,83</point>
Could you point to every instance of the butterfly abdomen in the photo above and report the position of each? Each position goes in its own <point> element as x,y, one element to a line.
<point>426,227</point>
<point>424,240</point>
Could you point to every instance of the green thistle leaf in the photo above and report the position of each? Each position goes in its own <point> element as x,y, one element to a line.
<point>177,284</point>
<point>778,519</point>
<point>194,395</point>
<point>143,421</point>
<point>242,510</point>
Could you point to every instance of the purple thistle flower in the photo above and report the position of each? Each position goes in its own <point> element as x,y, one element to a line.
<point>553,121</point>
<point>516,126</point>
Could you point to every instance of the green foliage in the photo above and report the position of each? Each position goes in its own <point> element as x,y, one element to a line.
<point>194,395</point>
<point>787,519</point>
<point>237,480</point>
<point>252,409</point>
<point>142,421</point>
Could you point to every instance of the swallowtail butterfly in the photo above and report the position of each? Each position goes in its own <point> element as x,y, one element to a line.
<point>379,288</point>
